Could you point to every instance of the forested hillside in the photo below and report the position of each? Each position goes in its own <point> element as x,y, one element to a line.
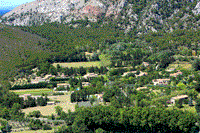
<point>19,49</point>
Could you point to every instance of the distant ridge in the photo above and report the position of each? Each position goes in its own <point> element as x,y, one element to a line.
<point>2,12</point>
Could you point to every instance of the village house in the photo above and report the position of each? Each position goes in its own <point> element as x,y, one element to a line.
<point>25,96</point>
<point>146,64</point>
<point>37,80</point>
<point>181,97</point>
<point>160,81</point>
<point>86,84</point>
<point>141,88</point>
<point>90,75</point>
<point>63,85</point>
<point>141,74</point>
<point>176,74</point>
<point>170,69</point>
<point>126,73</point>
<point>51,103</point>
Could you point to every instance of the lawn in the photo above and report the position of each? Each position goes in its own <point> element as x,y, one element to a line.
<point>79,64</point>
<point>185,107</point>
<point>180,65</point>
<point>65,103</point>
<point>33,91</point>
<point>37,131</point>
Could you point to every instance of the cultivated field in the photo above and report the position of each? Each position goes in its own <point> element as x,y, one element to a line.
<point>79,64</point>
<point>37,131</point>
<point>50,109</point>
<point>33,91</point>
<point>180,65</point>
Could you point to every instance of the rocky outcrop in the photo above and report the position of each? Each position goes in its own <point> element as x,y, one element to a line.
<point>196,10</point>
<point>40,11</point>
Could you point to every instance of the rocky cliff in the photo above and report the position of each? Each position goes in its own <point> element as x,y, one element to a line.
<point>141,15</point>
<point>41,11</point>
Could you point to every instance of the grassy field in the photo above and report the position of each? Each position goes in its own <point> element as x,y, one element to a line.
<point>50,109</point>
<point>79,64</point>
<point>181,65</point>
<point>185,107</point>
<point>33,91</point>
<point>37,131</point>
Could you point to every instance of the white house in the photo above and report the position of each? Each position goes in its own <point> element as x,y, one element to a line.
<point>176,74</point>
<point>160,81</point>
<point>90,75</point>
<point>86,83</point>
<point>37,80</point>
<point>181,97</point>
<point>63,85</point>
<point>126,73</point>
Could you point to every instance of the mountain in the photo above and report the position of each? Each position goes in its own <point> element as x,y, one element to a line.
<point>140,15</point>
<point>2,12</point>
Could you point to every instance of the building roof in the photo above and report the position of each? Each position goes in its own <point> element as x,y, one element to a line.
<point>62,84</point>
<point>90,75</point>
<point>141,88</point>
<point>160,80</point>
<point>177,73</point>
<point>180,97</point>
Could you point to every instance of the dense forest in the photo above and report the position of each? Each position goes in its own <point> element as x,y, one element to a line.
<point>175,40</point>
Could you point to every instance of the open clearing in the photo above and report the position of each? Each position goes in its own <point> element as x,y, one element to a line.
<point>79,64</point>
<point>33,91</point>
<point>65,103</point>
<point>37,131</point>
<point>180,65</point>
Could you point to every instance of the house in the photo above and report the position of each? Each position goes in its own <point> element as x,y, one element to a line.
<point>126,73</point>
<point>181,97</point>
<point>141,88</point>
<point>51,103</point>
<point>37,80</point>
<point>146,64</point>
<point>63,85</point>
<point>90,75</point>
<point>86,83</point>
<point>170,70</point>
<point>48,76</point>
<point>142,74</point>
<point>84,104</point>
<point>100,97</point>
<point>25,96</point>
<point>160,81</point>
<point>176,74</point>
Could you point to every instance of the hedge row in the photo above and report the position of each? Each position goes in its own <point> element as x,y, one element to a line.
<point>33,86</point>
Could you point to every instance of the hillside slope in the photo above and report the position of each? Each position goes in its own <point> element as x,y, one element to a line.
<point>143,15</point>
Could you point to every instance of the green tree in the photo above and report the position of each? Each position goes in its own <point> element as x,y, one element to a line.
<point>58,110</point>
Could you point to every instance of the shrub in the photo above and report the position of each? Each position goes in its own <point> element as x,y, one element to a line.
<point>58,93</point>
<point>46,127</point>
<point>36,114</point>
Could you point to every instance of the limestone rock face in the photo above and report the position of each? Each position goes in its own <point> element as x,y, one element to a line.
<point>40,11</point>
<point>196,10</point>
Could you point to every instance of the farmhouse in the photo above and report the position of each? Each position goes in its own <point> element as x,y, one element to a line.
<point>51,103</point>
<point>181,97</point>
<point>63,85</point>
<point>176,74</point>
<point>146,64</point>
<point>25,96</point>
<point>37,80</point>
<point>141,88</point>
<point>170,70</point>
<point>85,84</point>
<point>142,74</point>
<point>160,81</point>
<point>126,73</point>
<point>90,75</point>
